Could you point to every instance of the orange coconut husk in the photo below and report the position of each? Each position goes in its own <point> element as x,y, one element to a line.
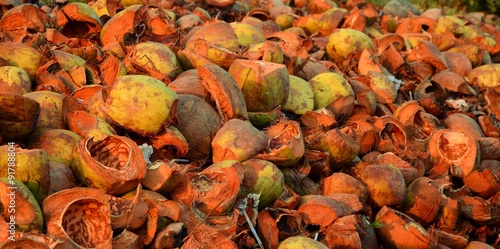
<point>17,23</point>
<point>289,221</point>
<point>317,163</point>
<point>343,233</point>
<point>422,201</point>
<point>114,164</point>
<point>225,91</point>
<point>342,144</point>
<point>399,230</point>
<point>478,209</point>
<point>267,230</point>
<point>170,236</point>
<point>362,125</point>
<point>18,116</point>
<point>169,144</point>
<point>419,125</point>
<point>448,239</point>
<point>189,82</point>
<point>198,123</point>
<point>87,207</point>
<point>344,183</point>
<point>288,199</point>
<point>391,135</point>
<point>319,210</point>
<point>163,176</point>
<point>206,188</point>
<point>285,144</point>
<point>455,151</point>
<point>409,172</point>
<point>126,240</point>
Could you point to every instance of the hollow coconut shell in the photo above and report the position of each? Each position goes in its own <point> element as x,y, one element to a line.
<point>79,217</point>
<point>198,123</point>
<point>265,85</point>
<point>455,151</point>
<point>237,140</point>
<point>114,164</point>
<point>301,242</point>
<point>78,20</point>
<point>264,178</point>
<point>344,42</point>
<point>141,104</point>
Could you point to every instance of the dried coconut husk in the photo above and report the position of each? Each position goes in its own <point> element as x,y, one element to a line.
<point>343,233</point>
<point>399,230</point>
<point>490,96</point>
<point>198,123</point>
<point>169,144</point>
<point>489,147</point>
<point>114,164</point>
<point>170,236</point>
<point>299,182</point>
<point>448,239</point>
<point>88,125</point>
<point>485,181</point>
<point>285,146</point>
<point>84,94</point>
<point>490,125</point>
<point>126,240</point>
<point>33,239</point>
<point>87,207</point>
<point>213,190</point>
<point>163,176</point>
<point>342,144</point>
<point>319,120</point>
<point>289,222</point>
<point>210,239</point>
<point>78,20</point>
<point>19,21</point>
<point>464,123</point>
<point>429,53</point>
<point>189,82</point>
<point>341,183</point>
<point>419,125</point>
<point>61,177</point>
<point>478,210</point>
<point>237,140</point>
<point>318,163</point>
<point>267,230</point>
<point>458,63</point>
<point>385,183</point>
<point>225,91</point>
<point>422,201</point>
<point>453,82</point>
<point>122,210</point>
<point>362,124</point>
<point>455,151</point>
<point>409,172</point>
<point>287,200</point>
<point>391,135</point>
<point>365,102</point>
<point>431,97</point>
